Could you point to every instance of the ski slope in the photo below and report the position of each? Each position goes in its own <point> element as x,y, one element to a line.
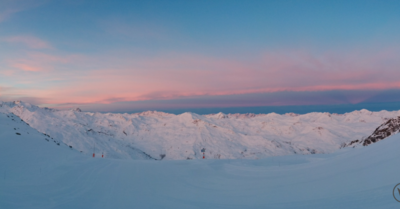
<point>38,173</point>
<point>158,135</point>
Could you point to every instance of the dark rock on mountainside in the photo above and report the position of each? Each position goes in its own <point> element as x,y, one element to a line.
<point>390,127</point>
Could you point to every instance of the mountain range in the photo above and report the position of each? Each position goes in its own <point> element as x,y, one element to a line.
<point>163,136</point>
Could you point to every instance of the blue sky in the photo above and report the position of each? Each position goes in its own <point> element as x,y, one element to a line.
<point>103,53</point>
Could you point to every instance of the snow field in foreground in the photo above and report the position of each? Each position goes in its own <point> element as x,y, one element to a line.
<point>36,173</point>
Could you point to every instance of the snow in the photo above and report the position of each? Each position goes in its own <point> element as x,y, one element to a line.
<point>36,173</point>
<point>151,135</point>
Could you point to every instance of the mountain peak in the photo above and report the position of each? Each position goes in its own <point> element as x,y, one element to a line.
<point>77,109</point>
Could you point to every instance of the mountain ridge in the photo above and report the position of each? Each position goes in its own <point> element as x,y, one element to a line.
<point>160,135</point>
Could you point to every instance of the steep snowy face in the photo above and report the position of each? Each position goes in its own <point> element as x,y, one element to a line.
<point>391,127</point>
<point>11,126</point>
<point>158,135</point>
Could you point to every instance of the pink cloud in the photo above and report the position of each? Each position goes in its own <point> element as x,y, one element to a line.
<point>7,13</point>
<point>9,8</point>
<point>29,41</point>
<point>26,67</point>
<point>40,62</point>
<point>127,77</point>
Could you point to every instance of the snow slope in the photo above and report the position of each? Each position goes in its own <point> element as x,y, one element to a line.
<point>36,173</point>
<point>158,135</point>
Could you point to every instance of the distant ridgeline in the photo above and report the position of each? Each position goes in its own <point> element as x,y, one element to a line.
<point>163,136</point>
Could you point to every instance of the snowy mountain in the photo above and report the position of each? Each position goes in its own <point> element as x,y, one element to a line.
<point>158,135</point>
<point>39,173</point>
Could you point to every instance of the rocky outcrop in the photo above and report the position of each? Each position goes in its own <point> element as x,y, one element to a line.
<point>389,128</point>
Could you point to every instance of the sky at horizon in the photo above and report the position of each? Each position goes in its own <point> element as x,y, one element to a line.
<point>282,109</point>
<point>132,55</point>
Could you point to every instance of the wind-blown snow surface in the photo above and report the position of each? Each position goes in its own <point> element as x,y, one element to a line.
<point>36,173</point>
<point>155,135</point>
